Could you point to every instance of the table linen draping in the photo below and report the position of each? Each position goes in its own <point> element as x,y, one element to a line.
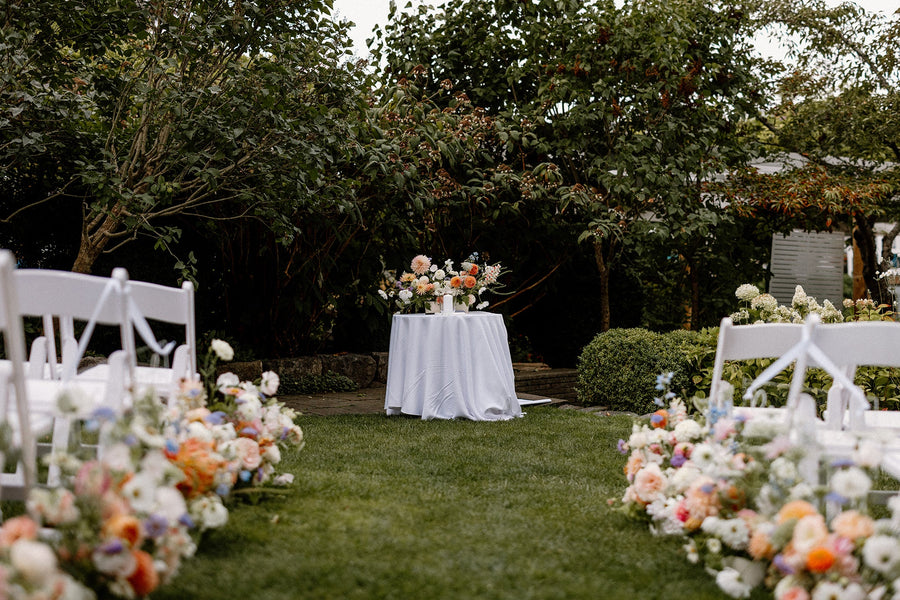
<point>451,366</point>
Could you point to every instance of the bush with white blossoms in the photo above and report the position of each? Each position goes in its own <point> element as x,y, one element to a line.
<point>759,307</point>
<point>738,496</point>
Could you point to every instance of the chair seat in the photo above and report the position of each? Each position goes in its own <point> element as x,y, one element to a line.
<point>161,379</point>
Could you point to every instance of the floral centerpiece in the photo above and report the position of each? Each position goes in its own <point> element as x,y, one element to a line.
<point>423,287</point>
<point>747,500</point>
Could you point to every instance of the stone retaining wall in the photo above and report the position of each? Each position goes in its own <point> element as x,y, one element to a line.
<point>368,369</point>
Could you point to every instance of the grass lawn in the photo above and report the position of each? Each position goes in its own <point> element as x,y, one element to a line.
<point>403,508</point>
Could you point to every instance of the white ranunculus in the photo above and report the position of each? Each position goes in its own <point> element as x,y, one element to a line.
<point>881,552</point>
<point>734,533</point>
<point>383,294</point>
<point>222,349</point>
<point>851,483</point>
<point>729,581</point>
<point>272,454</point>
<point>868,453</point>
<point>439,275</point>
<point>405,296</point>
<point>687,431</point>
<point>227,380</point>
<point>35,561</point>
<point>269,383</point>
<point>826,590</point>
<point>783,469</point>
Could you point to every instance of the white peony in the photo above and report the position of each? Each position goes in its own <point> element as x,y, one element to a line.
<point>851,483</point>
<point>227,380</point>
<point>35,561</point>
<point>222,349</point>
<point>269,383</point>
<point>881,552</point>
<point>687,431</point>
<point>729,581</point>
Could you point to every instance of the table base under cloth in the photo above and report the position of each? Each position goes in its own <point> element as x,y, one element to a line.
<point>451,366</point>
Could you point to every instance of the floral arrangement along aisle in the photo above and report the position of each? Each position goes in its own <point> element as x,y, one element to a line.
<point>745,496</point>
<point>427,283</point>
<point>125,520</point>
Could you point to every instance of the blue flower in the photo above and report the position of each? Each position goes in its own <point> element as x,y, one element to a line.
<point>658,402</point>
<point>836,498</point>
<point>223,490</point>
<point>186,520</point>
<point>156,525</point>
<point>707,488</point>
<point>782,565</point>
<point>113,546</point>
<point>215,418</point>
<point>249,431</point>
<point>678,460</point>
<point>104,413</point>
<point>622,446</point>
<point>171,446</point>
<point>245,475</point>
<point>839,463</point>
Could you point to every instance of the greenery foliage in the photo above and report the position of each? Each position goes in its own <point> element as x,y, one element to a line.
<point>328,381</point>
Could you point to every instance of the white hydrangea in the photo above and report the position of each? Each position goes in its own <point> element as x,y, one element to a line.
<point>747,292</point>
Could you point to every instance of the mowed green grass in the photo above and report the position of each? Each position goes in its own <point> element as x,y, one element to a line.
<point>403,508</point>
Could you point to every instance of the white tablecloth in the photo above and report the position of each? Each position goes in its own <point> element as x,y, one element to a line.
<point>451,366</point>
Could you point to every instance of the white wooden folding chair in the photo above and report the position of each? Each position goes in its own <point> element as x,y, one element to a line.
<point>747,342</point>
<point>174,306</point>
<point>70,298</point>
<point>25,419</point>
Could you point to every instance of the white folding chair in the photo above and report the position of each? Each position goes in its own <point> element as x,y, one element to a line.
<point>747,342</point>
<point>71,298</point>
<point>27,419</point>
<point>175,306</point>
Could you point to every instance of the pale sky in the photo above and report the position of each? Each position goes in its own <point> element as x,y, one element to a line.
<point>368,13</point>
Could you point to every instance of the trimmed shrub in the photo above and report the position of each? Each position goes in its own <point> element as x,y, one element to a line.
<point>317,384</point>
<point>618,369</point>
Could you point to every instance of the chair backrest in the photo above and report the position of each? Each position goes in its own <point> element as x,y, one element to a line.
<point>71,297</point>
<point>746,342</point>
<point>169,305</point>
<point>14,380</point>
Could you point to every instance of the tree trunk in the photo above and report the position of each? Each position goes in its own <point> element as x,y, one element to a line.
<point>93,243</point>
<point>864,237</point>
<point>859,283</point>
<point>603,268</point>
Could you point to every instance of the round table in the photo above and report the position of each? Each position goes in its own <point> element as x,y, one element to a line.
<point>451,366</point>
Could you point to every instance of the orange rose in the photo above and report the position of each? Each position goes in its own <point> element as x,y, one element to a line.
<point>473,270</point>
<point>760,546</point>
<point>196,459</point>
<point>796,509</point>
<point>470,282</point>
<point>145,579</point>
<point>125,527</point>
<point>819,559</point>
<point>455,281</point>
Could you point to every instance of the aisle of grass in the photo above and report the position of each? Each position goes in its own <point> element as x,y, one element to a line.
<point>403,508</point>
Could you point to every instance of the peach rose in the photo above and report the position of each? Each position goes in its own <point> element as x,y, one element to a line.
<point>634,464</point>
<point>648,483</point>
<point>852,525</point>
<point>809,532</point>
<point>796,509</point>
<point>17,528</point>
<point>760,545</point>
<point>470,282</point>
<point>455,281</point>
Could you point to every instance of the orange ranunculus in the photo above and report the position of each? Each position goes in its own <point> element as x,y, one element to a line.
<point>125,527</point>
<point>659,419</point>
<point>760,545</point>
<point>470,282</point>
<point>796,509</point>
<point>145,579</point>
<point>199,464</point>
<point>819,559</point>
<point>455,281</point>
<point>473,270</point>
